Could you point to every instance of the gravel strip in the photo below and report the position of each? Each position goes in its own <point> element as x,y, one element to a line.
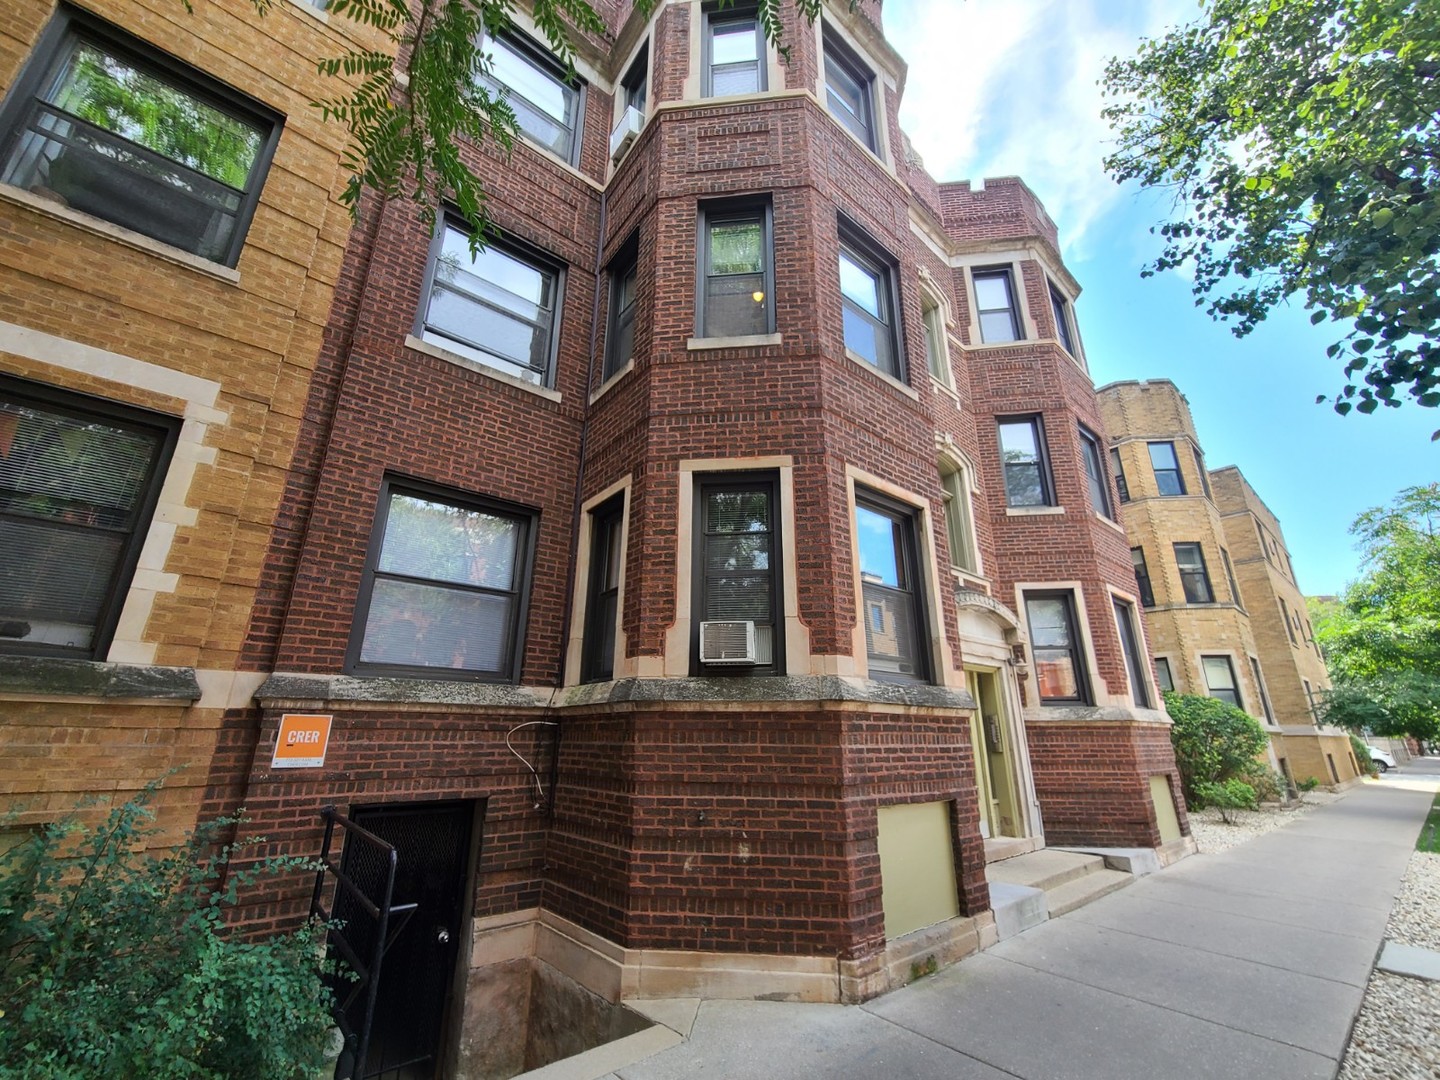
<point>1212,835</point>
<point>1397,1035</point>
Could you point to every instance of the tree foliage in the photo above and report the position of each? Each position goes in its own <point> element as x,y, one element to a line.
<point>1382,638</point>
<point>1301,140</point>
<point>1215,743</point>
<point>114,962</point>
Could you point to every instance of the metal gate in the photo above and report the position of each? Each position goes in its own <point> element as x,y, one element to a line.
<point>398,900</point>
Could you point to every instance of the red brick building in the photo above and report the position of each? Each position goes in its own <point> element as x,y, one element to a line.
<point>704,577</point>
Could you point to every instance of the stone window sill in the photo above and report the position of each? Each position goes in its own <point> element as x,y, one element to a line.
<point>61,677</point>
<point>744,341</point>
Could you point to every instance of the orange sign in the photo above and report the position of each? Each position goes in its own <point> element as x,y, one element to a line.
<point>301,741</point>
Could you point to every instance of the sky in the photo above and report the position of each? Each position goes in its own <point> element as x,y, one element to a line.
<point>1010,87</point>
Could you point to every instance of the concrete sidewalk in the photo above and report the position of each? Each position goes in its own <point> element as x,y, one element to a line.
<point>1247,963</point>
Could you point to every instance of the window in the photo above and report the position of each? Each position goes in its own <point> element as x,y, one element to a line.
<point>1201,471</point>
<point>737,572</point>
<point>1264,694</point>
<point>737,277</point>
<point>1230,577</point>
<point>995,304</point>
<point>895,632</point>
<point>1220,679</point>
<point>104,124</point>
<point>601,605</point>
<point>1095,473</point>
<point>1027,470</point>
<point>1130,646</point>
<point>1142,577</point>
<point>1119,471</point>
<point>1193,576</point>
<point>867,295</point>
<point>1167,469</point>
<point>546,102</point>
<point>1289,627</point>
<point>79,479</point>
<point>937,356</point>
<point>620,341</point>
<point>848,93</point>
<point>734,54</point>
<point>1264,544</point>
<point>1163,676</point>
<point>445,586</point>
<point>635,86</point>
<point>1055,643</point>
<point>955,491</point>
<point>1060,308</point>
<point>497,308</point>
<point>1310,697</point>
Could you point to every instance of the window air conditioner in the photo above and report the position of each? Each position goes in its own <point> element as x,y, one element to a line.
<point>626,132</point>
<point>729,642</point>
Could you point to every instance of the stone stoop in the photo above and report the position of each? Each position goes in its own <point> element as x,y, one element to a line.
<point>1028,889</point>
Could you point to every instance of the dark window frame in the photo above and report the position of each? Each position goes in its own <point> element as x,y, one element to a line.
<point>1128,627</point>
<point>1179,475</point>
<point>1189,577</point>
<point>716,16</point>
<point>1042,449</point>
<point>1233,688</point>
<point>740,209</point>
<point>1289,627</point>
<point>1092,453</point>
<point>908,518</point>
<point>1202,472</point>
<point>635,85</point>
<point>1143,585</point>
<point>1083,693</point>
<point>166,431</point>
<point>516,248</point>
<point>1122,486</point>
<point>545,62</point>
<point>73,23</point>
<point>737,481</point>
<point>866,255</point>
<point>1061,311</point>
<point>1169,675</point>
<point>834,50</point>
<point>1262,690</point>
<point>602,598</point>
<point>1230,577</point>
<point>626,262</point>
<point>529,519</point>
<point>1005,274</point>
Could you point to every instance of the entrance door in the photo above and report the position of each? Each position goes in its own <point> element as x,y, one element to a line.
<point>994,772</point>
<point>432,847</point>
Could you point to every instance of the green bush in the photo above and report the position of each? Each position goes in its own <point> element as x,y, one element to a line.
<point>1214,742</point>
<point>1267,784</point>
<point>1362,755</point>
<point>114,961</point>
<point>1228,796</point>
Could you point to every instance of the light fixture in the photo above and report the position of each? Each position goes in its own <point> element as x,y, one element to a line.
<point>758,296</point>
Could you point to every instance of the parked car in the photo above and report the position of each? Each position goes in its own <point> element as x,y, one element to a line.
<point>1381,759</point>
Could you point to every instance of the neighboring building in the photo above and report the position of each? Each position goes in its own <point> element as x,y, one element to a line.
<point>698,582</point>
<point>1224,613</point>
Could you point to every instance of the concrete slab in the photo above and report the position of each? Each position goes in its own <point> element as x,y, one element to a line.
<point>1084,890</point>
<point>1017,908</point>
<point>677,1014</point>
<point>1043,869</point>
<point>1300,910</point>
<point>607,1058</point>
<point>1409,960</point>
<point>1136,861</point>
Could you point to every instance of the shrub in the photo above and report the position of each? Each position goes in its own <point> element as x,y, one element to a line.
<point>1362,755</point>
<point>1267,784</point>
<point>114,961</point>
<point>1214,742</point>
<point>1309,784</point>
<point>1228,796</point>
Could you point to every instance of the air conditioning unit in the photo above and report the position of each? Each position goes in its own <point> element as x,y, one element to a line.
<point>626,132</point>
<point>728,642</point>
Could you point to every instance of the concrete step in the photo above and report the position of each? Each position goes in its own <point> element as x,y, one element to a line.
<point>1017,908</point>
<point>1045,869</point>
<point>1080,891</point>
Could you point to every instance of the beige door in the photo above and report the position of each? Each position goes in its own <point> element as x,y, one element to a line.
<point>994,760</point>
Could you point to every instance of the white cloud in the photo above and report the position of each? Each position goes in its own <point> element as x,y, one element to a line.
<point>1011,87</point>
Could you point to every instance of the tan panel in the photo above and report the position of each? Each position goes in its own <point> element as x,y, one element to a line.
<point>1164,809</point>
<point>917,866</point>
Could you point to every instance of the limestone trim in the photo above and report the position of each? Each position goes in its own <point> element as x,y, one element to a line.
<point>579,601</point>
<point>421,346</point>
<point>888,380</point>
<point>742,341</point>
<point>609,383</point>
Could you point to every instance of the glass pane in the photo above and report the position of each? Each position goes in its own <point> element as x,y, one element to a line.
<point>1049,620</point>
<point>735,79</point>
<point>731,307</point>
<point>512,345</point>
<point>429,539</point>
<point>494,275</point>
<point>1162,675</point>
<point>889,630</point>
<point>738,596</point>
<point>733,42</point>
<point>429,626</point>
<point>1098,500</point>
<point>54,581</point>
<point>736,247</point>
<point>738,552</point>
<point>859,284</point>
<point>863,337</point>
<point>992,292</point>
<point>541,89</point>
<point>603,647</point>
<point>1188,558</point>
<point>1018,442</point>
<point>879,538</point>
<point>737,511</point>
<point>997,327</point>
<point>1055,672</point>
<point>1023,485</point>
<point>1218,673</point>
<point>935,343</point>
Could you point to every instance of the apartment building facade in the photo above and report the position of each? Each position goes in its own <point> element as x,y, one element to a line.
<point>1225,614</point>
<point>696,584</point>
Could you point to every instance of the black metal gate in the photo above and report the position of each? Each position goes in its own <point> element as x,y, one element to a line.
<point>398,900</point>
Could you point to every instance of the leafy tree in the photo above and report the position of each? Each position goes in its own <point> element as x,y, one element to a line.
<point>1382,638</point>
<point>1215,743</point>
<point>1301,140</point>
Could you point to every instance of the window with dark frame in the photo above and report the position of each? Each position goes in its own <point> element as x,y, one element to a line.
<point>620,338</point>
<point>1025,461</point>
<point>445,588</point>
<point>1060,308</point>
<point>79,480</point>
<point>1142,577</point>
<point>1119,470</point>
<point>107,125</point>
<point>999,316</point>
<point>1310,697</point>
<point>849,90</point>
<point>1130,647</point>
<point>737,272</point>
<point>896,639</point>
<point>1163,678</point>
<point>1201,471</point>
<point>869,304</point>
<point>635,86</point>
<point>1220,679</point>
<point>497,308</point>
<point>1194,577</point>
<point>737,566</point>
<point>1168,479</point>
<point>1230,577</point>
<point>1289,627</point>
<point>544,96</point>
<point>1056,648</point>
<point>1095,473</point>
<point>603,591</point>
<point>1264,693</point>
<point>734,60</point>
